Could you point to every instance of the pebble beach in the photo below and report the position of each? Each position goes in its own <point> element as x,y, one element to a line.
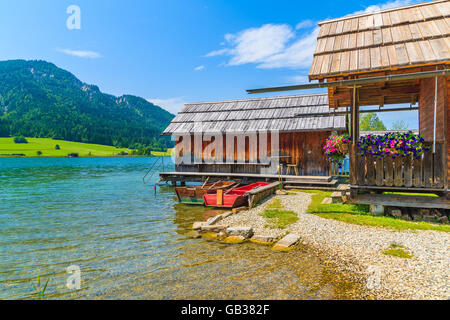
<point>359,249</point>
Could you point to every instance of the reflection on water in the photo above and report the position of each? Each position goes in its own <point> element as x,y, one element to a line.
<point>132,243</point>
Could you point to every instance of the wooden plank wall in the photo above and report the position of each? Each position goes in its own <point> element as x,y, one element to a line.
<point>307,147</point>
<point>426,115</point>
<point>448,130</point>
<point>426,108</point>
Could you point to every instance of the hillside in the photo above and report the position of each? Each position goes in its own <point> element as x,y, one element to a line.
<point>38,99</point>
<point>47,148</point>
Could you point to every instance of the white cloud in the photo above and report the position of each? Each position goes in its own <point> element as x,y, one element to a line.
<point>280,45</point>
<point>298,79</point>
<point>386,5</point>
<point>270,46</point>
<point>173,105</point>
<point>81,53</point>
<point>255,45</point>
<point>217,53</point>
<point>298,55</point>
<point>199,68</point>
<point>304,24</point>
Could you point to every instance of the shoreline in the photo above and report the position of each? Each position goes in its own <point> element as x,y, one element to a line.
<point>55,148</point>
<point>357,250</point>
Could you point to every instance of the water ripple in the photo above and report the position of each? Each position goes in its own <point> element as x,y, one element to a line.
<point>130,243</point>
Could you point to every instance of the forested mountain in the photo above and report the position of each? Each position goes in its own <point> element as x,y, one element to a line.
<point>38,99</point>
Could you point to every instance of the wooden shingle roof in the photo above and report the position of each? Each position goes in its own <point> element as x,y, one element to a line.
<point>251,115</point>
<point>399,37</point>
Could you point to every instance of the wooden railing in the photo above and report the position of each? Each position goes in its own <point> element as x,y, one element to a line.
<point>340,171</point>
<point>430,171</point>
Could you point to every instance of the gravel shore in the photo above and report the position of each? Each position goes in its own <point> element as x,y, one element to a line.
<point>358,249</point>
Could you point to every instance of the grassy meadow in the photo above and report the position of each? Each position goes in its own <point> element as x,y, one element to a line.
<point>47,147</point>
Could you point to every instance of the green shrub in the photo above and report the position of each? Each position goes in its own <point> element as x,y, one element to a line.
<point>20,139</point>
<point>39,152</point>
<point>57,147</point>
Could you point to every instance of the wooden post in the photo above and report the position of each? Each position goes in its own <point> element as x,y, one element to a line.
<point>355,137</point>
<point>370,171</point>
<point>408,171</point>
<point>219,197</point>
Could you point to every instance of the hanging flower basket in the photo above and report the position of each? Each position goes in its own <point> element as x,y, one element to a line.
<point>336,148</point>
<point>393,144</point>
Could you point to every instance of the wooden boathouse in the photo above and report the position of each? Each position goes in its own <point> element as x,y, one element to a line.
<point>253,124</point>
<point>394,56</point>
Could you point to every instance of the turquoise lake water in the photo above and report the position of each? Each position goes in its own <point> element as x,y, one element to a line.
<point>130,243</point>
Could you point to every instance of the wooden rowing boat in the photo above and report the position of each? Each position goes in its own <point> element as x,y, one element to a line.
<point>194,194</point>
<point>234,197</point>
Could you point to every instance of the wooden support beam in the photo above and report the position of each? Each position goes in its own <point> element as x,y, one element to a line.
<point>354,137</point>
<point>402,201</point>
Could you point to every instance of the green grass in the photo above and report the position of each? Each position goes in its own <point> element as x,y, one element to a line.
<point>47,147</point>
<point>413,194</point>
<point>275,204</point>
<point>360,215</point>
<point>40,290</point>
<point>168,153</point>
<point>277,217</point>
<point>398,250</point>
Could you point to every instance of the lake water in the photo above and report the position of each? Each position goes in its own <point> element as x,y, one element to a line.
<point>130,243</point>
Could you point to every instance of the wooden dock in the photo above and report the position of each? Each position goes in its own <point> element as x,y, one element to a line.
<point>287,180</point>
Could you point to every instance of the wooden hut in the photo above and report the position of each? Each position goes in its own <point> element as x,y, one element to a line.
<point>299,140</point>
<point>398,55</point>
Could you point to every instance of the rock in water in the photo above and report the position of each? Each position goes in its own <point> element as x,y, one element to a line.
<point>245,232</point>
<point>215,228</point>
<point>214,220</point>
<point>198,225</point>
<point>287,241</point>
<point>263,239</point>
<point>234,239</point>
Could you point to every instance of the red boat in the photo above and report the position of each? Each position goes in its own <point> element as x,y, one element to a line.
<point>235,197</point>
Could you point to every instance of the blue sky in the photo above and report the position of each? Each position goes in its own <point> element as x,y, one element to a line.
<point>172,52</point>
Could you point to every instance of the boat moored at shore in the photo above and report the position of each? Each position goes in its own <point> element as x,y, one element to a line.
<point>194,194</point>
<point>235,197</point>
